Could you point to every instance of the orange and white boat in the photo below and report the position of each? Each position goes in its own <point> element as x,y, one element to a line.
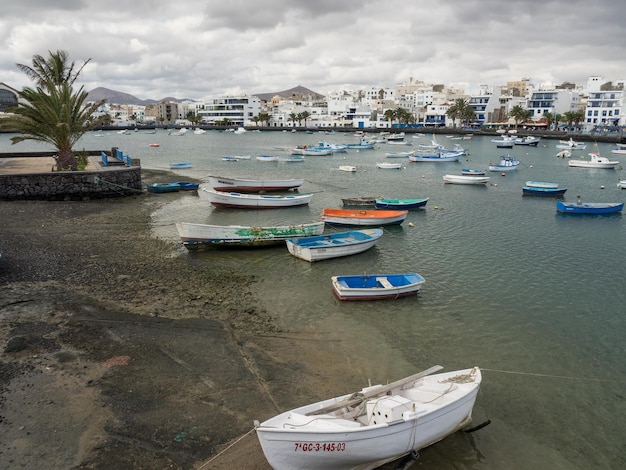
<point>372,217</point>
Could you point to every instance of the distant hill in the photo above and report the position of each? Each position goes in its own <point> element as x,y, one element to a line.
<point>117,97</point>
<point>296,92</point>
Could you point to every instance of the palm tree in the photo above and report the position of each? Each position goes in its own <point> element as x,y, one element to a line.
<point>293,117</point>
<point>304,115</point>
<point>520,114</point>
<point>390,115</point>
<point>53,113</point>
<point>458,109</point>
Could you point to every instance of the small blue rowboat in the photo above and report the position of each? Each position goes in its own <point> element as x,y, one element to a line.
<point>178,166</point>
<point>163,187</point>
<point>376,286</point>
<point>400,204</point>
<point>473,172</point>
<point>187,185</point>
<point>542,188</point>
<point>589,207</point>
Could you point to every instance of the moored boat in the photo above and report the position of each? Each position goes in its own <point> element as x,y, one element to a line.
<point>505,141</point>
<point>253,201</point>
<point>401,204</point>
<point>374,426</point>
<point>363,217</point>
<point>348,168</point>
<point>399,154</point>
<point>571,145</point>
<point>246,185</point>
<point>333,245</point>
<point>267,158</point>
<point>360,201</point>
<point>376,286</point>
<point>389,166</point>
<point>595,161</point>
<point>507,163</point>
<point>465,179</point>
<point>196,236</point>
<point>436,156</point>
<point>589,207</point>
<point>542,188</point>
<point>619,149</point>
<point>621,184</point>
<point>528,140</point>
<point>473,172</point>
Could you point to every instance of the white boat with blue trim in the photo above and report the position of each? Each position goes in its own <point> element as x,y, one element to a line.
<point>333,245</point>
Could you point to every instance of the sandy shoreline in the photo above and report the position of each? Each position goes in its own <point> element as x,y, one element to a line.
<point>117,350</point>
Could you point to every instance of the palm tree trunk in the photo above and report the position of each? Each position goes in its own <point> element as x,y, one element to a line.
<point>66,161</point>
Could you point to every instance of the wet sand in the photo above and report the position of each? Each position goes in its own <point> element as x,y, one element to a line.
<point>119,352</point>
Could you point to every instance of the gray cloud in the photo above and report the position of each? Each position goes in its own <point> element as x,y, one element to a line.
<point>196,48</point>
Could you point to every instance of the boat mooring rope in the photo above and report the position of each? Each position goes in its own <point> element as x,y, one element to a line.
<point>227,448</point>
<point>550,376</point>
<point>115,185</point>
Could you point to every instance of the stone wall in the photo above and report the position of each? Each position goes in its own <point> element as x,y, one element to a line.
<point>74,185</point>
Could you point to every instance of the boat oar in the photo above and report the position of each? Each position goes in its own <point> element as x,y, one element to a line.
<point>358,397</point>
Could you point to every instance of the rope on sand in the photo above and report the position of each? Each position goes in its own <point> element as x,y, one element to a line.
<point>553,376</point>
<point>216,456</point>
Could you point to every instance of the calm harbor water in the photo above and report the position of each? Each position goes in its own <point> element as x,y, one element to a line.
<point>535,298</point>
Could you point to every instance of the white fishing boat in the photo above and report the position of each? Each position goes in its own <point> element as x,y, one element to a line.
<point>333,245</point>
<point>507,163</point>
<point>197,236</point>
<point>465,179</point>
<point>619,149</point>
<point>571,145</point>
<point>389,166</point>
<point>348,168</point>
<point>374,426</point>
<point>252,201</point>
<point>267,158</point>
<point>399,154</point>
<point>595,161</point>
<point>248,185</point>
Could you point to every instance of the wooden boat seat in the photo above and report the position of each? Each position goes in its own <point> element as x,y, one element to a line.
<point>384,282</point>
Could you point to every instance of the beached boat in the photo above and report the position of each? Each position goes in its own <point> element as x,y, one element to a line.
<point>595,161</point>
<point>507,163</point>
<point>187,185</point>
<point>360,201</point>
<point>376,286</point>
<point>473,172</point>
<point>163,187</point>
<point>399,154</point>
<point>389,166</point>
<point>589,207</point>
<point>196,236</point>
<point>333,245</point>
<point>363,217</point>
<point>401,204</point>
<point>246,185</point>
<point>179,166</point>
<point>253,201</point>
<point>571,145</point>
<point>436,156</point>
<point>528,140</point>
<point>374,426</point>
<point>465,179</point>
<point>542,188</point>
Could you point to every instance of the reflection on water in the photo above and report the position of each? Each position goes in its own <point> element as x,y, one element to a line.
<point>510,285</point>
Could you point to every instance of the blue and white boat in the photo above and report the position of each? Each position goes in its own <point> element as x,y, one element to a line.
<point>333,245</point>
<point>163,187</point>
<point>473,172</point>
<point>542,188</point>
<point>507,163</point>
<point>376,286</point>
<point>589,207</point>
<point>436,156</point>
<point>363,144</point>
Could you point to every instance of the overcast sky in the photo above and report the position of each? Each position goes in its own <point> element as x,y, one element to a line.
<point>202,48</point>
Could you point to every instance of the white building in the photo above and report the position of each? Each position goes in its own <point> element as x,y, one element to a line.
<point>236,110</point>
<point>605,108</point>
